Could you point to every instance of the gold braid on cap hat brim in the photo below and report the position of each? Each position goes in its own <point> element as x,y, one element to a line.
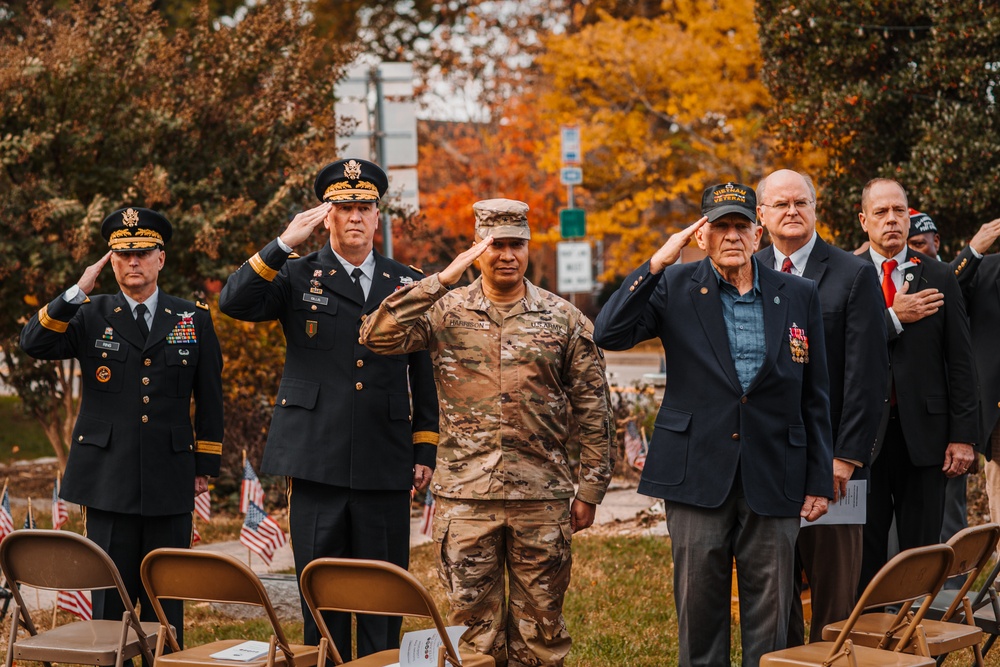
<point>344,191</point>
<point>134,239</point>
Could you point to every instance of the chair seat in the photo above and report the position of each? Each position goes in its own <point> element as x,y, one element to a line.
<point>83,642</point>
<point>305,656</point>
<point>942,637</point>
<point>383,658</point>
<point>816,653</point>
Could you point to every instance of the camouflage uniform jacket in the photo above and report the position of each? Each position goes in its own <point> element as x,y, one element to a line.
<point>509,389</point>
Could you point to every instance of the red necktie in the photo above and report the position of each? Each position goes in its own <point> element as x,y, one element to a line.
<point>888,287</point>
<point>786,266</point>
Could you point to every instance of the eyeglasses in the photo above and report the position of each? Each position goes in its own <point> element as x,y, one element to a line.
<point>783,206</point>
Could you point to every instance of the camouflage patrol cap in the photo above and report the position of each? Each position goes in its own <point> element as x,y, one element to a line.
<point>502,219</point>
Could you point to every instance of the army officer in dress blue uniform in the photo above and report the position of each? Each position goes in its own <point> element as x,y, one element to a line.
<point>343,429</point>
<point>135,461</point>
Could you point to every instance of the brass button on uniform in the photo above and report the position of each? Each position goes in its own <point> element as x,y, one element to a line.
<point>315,307</point>
<point>744,399</point>
<point>147,362</point>
<point>145,381</point>
<point>104,355</point>
<point>361,362</point>
<point>184,362</point>
<point>145,399</point>
<point>145,419</point>
<point>79,439</point>
<point>283,401</point>
<point>736,436</point>
<point>359,386</point>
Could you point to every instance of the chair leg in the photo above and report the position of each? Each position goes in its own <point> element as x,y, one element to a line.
<point>14,620</point>
<point>271,645</point>
<point>122,641</point>
<point>161,638</point>
<point>321,653</point>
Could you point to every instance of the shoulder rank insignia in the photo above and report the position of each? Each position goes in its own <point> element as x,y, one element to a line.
<point>416,269</point>
<point>201,304</point>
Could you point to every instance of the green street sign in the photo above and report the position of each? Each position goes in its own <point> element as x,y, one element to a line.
<point>572,223</point>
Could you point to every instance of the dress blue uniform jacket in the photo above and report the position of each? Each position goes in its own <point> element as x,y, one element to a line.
<point>776,434</point>
<point>133,450</point>
<point>343,413</point>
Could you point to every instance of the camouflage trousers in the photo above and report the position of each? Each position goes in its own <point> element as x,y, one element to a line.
<point>529,541</point>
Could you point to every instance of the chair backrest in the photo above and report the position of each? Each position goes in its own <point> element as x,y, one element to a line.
<point>61,560</point>
<point>910,575</point>
<point>973,547</point>
<point>368,587</point>
<point>205,576</point>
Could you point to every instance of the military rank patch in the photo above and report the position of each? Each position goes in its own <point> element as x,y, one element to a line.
<point>798,342</point>
<point>183,331</point>
<point>312,327</point>
<point>103,374</point>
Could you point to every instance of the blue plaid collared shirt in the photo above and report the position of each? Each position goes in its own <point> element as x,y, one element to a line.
<point>744,316</point>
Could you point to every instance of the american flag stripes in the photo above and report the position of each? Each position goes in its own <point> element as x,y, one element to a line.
<point>261,534</point>
<point>6,518</point>
<point>60,512</point>
<point>203,506</point>
<point>427,524</point>
<point>252,491</point>
<point>76,603</point>
<point>635,445</point>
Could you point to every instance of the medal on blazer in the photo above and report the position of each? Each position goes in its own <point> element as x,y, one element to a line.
<point>109,333</point>
<point>315,288</point>
<point>184,331</point>
<point>798,342</point>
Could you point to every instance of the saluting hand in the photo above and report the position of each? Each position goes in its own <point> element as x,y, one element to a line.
<point>302,225</point>
<point>985,237</point>
<point>88,280</point>
<point>456,269</point>
<point>670,251</point>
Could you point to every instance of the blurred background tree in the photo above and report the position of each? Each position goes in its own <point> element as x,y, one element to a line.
<point>904,89</point>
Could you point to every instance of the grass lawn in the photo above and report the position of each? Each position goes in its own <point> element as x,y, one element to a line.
<point>21,437</point>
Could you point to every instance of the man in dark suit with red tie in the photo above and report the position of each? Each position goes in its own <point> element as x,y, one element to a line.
<point>741,445</point>
<point>858,362</point>
<point>933,414</point>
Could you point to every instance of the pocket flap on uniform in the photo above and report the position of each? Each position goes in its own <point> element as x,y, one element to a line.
<point>673,420</point>
<point>937,405</point>
<point>90,431</point>
<point>182,355</point>
<point>797,436</point>
<point>297,394</point>
<point>182,439</point>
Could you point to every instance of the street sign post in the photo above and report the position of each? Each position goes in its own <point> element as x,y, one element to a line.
<point>572,223</point>
<point>573,264</point>
<point>570,136</point>
<point>571,175</point>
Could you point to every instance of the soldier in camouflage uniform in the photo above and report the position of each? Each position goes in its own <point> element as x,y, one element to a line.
<point>517,371</point>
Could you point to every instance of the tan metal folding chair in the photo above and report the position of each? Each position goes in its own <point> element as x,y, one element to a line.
<point>206,576</point>
<point>973,547</point>
<point>375,587</point>
<point>60,560</point>
<point>911,575</point>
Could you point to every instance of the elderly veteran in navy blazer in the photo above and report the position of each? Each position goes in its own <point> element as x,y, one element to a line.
<point>741,447</point>
<point>343,429</point>
<point>136,462</point>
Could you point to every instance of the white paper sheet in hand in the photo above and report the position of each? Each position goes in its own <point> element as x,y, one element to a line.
<point>852,508</point>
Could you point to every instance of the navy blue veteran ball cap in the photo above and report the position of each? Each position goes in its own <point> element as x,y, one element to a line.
<point>720,200</point>
<point>132,229</point>
<point>921,223</point>
<point>351,180</point>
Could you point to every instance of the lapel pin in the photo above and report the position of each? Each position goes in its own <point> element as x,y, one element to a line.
<point>333,272</point>
<point>909,277</point>
<point>777,300</point>
<point>385,275</point>
<point>118,309</point>
<point>704,290</point>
